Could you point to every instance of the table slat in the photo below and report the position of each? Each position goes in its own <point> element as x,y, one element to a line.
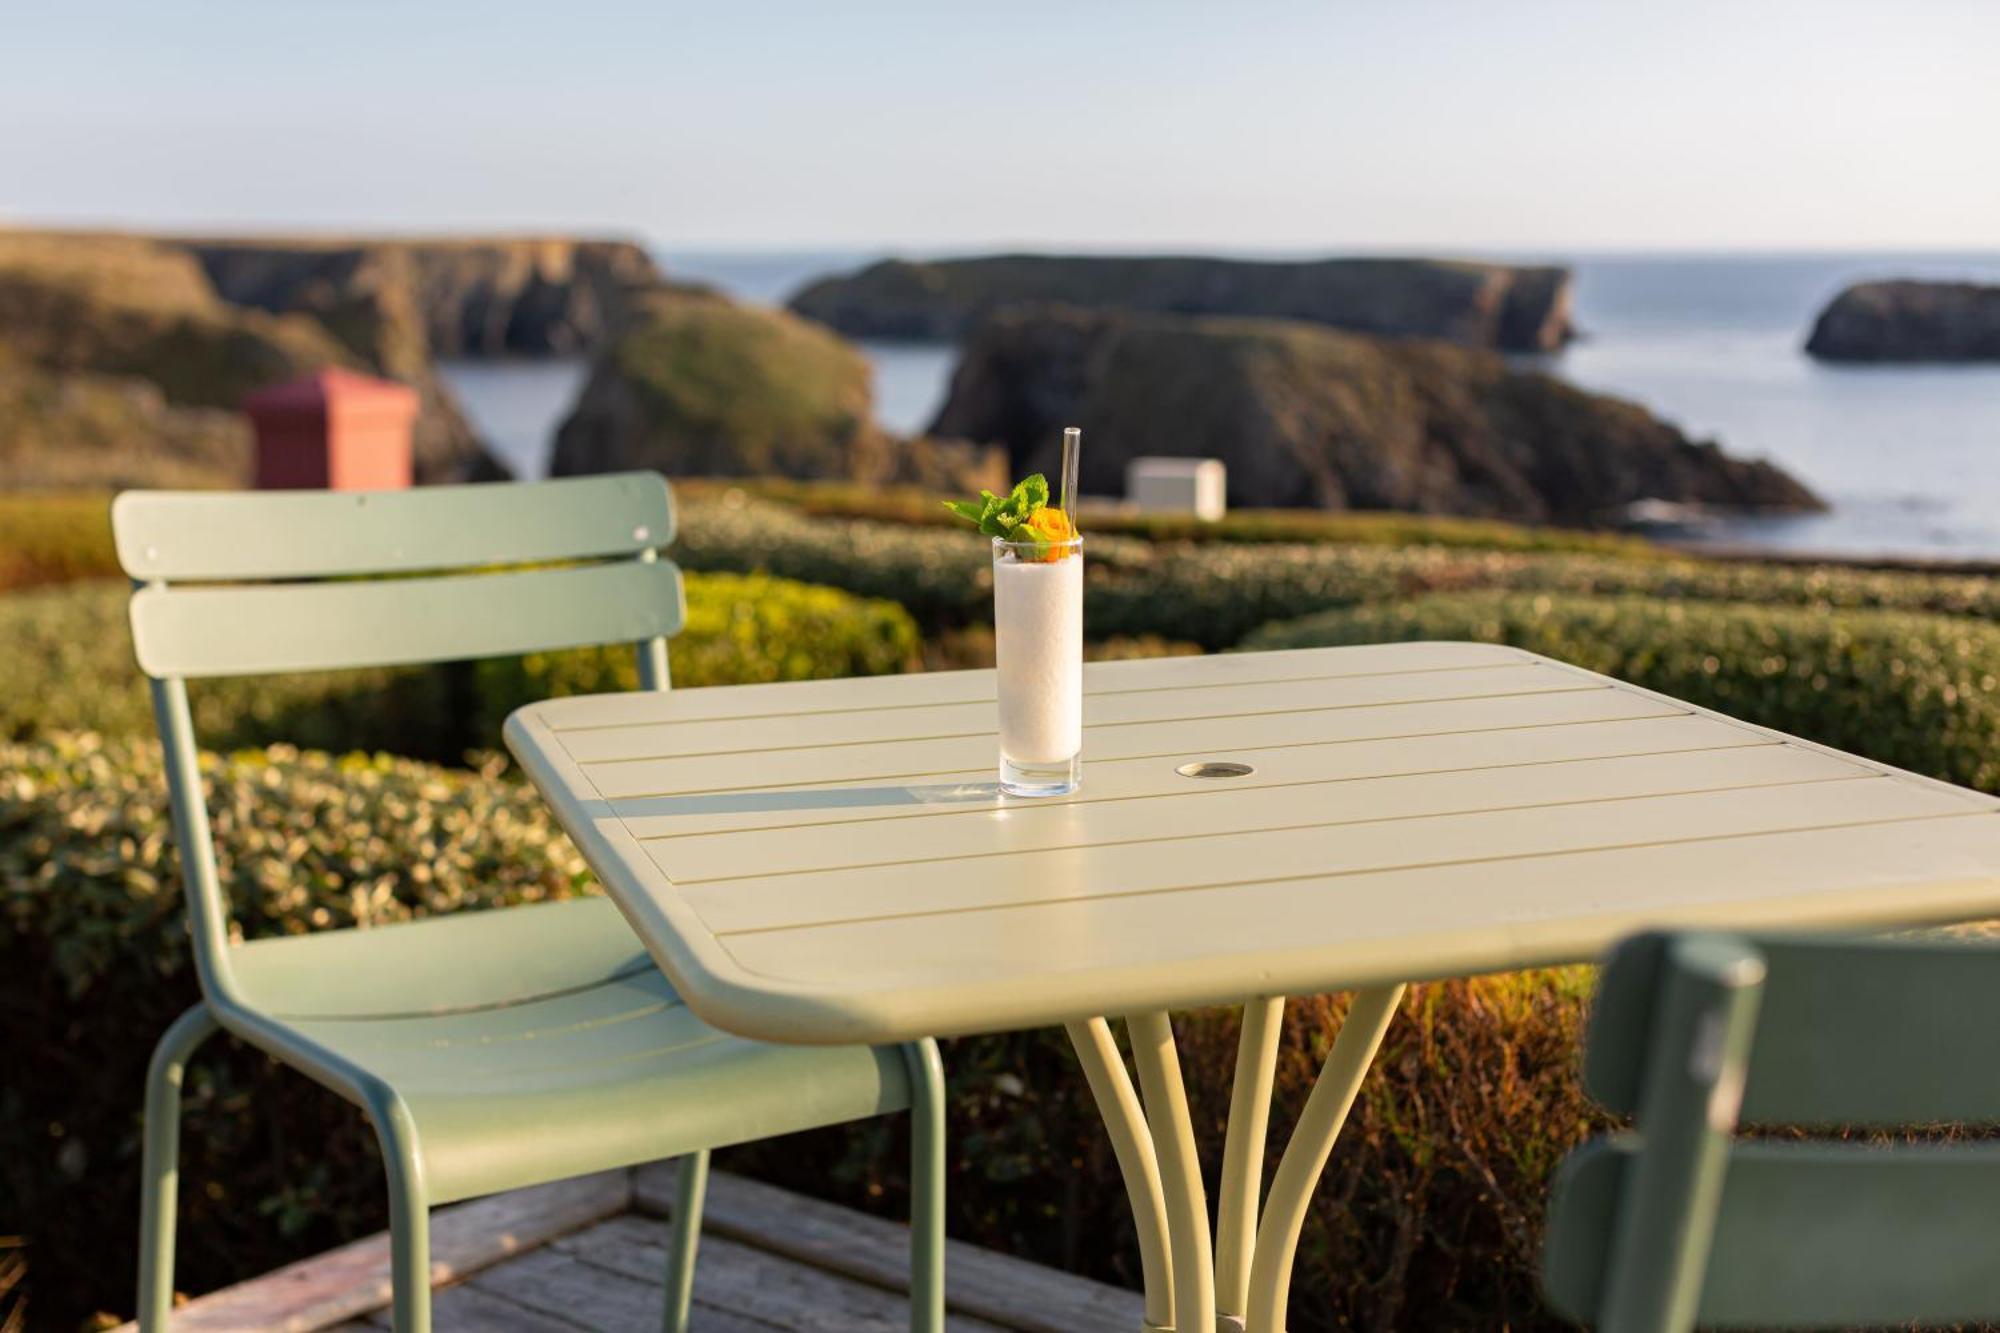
<point>1207,808</point>
<point>1109,709</point>
<point>929,794</point>
<point>832,861</point>
<point>1024,966</point>
<point>791,698</point>
<point>975,754</point>
<point>1169,862</point>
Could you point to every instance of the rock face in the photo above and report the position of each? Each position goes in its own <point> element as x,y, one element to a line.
<point>77,431</point>
<point>1311,417</point>
<point>366,296</point>
<point>525,296</point>
<point>130,307</point>
<point>1480,305</point>
<point>1910,321</point>
<point>118,365</point>
<point>126,306</point>
<point>697,385</point>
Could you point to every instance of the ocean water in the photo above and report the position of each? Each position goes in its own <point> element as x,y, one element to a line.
<point>1908,456</point>
<point>517,404</point>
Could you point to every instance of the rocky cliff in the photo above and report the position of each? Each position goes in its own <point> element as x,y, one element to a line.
<point>697,385</point>
<point>1307,416</point>
<point>92,308</point>
<point>1910,321</point>
<point>1480,305</point>
<point>368,297</point>
<point>523,296</point>
<point>108,432</point>
<point>119,366</point>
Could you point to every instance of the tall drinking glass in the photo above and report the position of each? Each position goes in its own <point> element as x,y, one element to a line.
<point>1038,644</point>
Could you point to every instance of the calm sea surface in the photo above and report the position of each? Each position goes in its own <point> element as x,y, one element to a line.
<point>1909,457</point>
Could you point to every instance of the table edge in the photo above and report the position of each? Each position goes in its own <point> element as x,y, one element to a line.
<point>724,993</point>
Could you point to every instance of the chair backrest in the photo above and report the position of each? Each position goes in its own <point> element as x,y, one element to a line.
<point>1680,1222</point>
<point>232,584</point>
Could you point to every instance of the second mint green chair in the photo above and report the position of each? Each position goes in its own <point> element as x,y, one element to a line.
<point>1682,1223</point>
<point>490,1050</point>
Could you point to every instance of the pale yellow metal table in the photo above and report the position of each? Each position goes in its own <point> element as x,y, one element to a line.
<point>832,862</point>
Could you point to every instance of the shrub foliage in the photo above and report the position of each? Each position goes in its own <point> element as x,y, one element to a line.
<point>919,506</point>
<point>1430,1213</point>
<point>69,666</point>
<point>1214,593</point>
<point>1913,690</point>
<point>1428,1217</point>
<point>54,538</point>
<point>94,964</point>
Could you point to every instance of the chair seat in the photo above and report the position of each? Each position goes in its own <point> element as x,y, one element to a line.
<point>536,1043</point>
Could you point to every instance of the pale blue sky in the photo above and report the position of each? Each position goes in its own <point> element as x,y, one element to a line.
<point>1518,124</point>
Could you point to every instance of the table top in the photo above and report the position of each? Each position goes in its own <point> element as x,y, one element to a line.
<point>832,860</point>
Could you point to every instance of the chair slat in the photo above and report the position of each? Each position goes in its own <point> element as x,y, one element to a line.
<point>1849,1031</point>
<point>1809,1235</point>
<point>257,630</point>
<point>1876,1032</point>
<point>223,535</point>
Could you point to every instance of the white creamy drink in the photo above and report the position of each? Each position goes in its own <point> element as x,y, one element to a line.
<point>1038,643</point>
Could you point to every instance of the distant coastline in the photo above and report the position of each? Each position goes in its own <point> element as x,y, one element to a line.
<point>1909,455</point>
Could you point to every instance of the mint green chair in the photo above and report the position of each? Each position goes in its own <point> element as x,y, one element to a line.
<point>490,1050</point>
<point>1682,1223</point>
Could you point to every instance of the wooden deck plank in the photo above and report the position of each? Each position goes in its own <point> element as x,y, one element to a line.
<point>1009,1292</point>
<point>354,1279</point>
<point>470,1309</point>
<point>561,1286</point>
<point>771,1262</point>
<point>748,1282</point>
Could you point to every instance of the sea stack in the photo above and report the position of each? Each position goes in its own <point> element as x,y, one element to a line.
<point>1910,321</point>
<point>1310,417</point>
<point>1509,307</point>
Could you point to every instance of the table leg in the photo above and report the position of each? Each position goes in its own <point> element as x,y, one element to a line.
<point>1305,1156</point>
<point>1104,1070</point>
<point>1243,1154</point>
<point>1159,1066</point>
<point>1244,1281</point>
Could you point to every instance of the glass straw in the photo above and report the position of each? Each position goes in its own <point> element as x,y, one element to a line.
<point>1072,446</point>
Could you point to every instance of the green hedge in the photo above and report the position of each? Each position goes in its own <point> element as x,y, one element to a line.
<point>1182,585</point>
<point>1217,594</point>
<point>939,575</point>
<point>1430,1213</point>
<point>1914,690</point>
<point>68,666</point>
<point>1214,593</point>
<point>1429,1216</point>
<point>914,505</point>
<point>54,538</point>
<point>94,964</point>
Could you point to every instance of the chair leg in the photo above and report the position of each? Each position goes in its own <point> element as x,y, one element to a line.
<point>159,1168</point>
<point>927,1166</point>
<point>409,1215</point>
<point>690,1191</point>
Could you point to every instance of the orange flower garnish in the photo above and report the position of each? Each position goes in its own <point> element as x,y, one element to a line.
<point>1052,525</point>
